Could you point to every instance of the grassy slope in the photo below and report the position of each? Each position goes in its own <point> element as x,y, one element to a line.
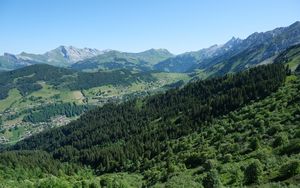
<point>290,56</point>
<point>14,95</point>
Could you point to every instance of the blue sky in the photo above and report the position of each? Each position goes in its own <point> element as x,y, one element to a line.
<point>37,26</point>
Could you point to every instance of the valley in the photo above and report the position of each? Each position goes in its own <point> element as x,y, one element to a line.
<point>223,116</point>
<point>16,106</point>
<point>175,147</point>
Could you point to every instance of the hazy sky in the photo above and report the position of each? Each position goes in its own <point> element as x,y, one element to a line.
<point>37,26</point>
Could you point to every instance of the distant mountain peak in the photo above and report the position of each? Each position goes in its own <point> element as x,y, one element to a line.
<point>233,41</point>
<point>72,54</point>
<point>8,54</point>
<point>295,24</point>
<point>10,57</point>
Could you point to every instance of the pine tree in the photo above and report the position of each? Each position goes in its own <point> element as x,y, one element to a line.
<point>212,180</point>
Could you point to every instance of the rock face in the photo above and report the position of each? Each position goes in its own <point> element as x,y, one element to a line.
<point>62,56</point>
<point>71,54</point>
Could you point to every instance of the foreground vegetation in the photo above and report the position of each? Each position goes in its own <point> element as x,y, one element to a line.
<point>238,130</point>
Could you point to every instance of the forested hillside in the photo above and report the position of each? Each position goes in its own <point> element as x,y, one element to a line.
<point>225,130</point>
<point>25,79</point>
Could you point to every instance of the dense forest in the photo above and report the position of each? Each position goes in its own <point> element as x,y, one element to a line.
<point>226,130</point>
<point>44,113</point>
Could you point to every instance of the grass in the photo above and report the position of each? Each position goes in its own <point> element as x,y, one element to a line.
<point>14,121</point>
<point>291,78</point>
<point>294,63</point>
<point>13,96</point>
<point>71,96</point>
<point>171,77</point>
<point>46,92</point>
<point>200,73</point>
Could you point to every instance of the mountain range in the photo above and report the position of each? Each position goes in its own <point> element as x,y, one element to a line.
<point>85,58</point>
<point>235,55</point>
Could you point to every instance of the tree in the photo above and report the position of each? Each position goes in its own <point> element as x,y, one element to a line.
<point>254,144</point>
<point>212,180</point>
<point>298,68</point>
<point>290,169</point>
<point>280,140</point>
<point>288,70</point>
<point>253,173</point>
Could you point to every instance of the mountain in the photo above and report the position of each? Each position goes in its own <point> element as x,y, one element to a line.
<point>115,59</point>
<point>10,62</point>
<point>63,56</point>
<point>232,131</point>
<point>236,54</point>
<point>71,54</point>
